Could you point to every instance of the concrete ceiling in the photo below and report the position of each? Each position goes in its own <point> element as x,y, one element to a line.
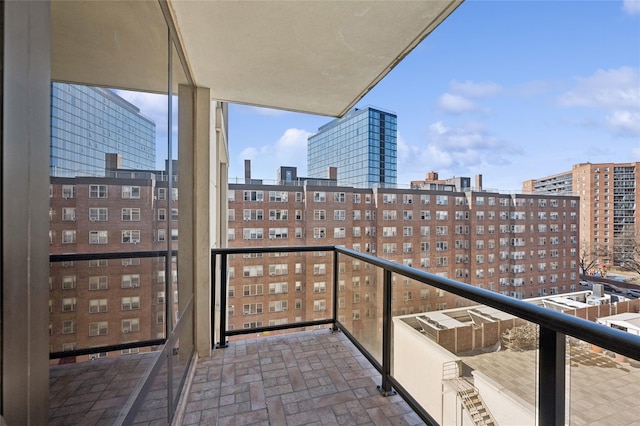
<point>318,57</point>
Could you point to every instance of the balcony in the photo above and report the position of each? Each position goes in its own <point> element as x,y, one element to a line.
<point>369,355</point>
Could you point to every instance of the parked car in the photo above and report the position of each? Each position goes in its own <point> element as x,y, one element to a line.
<point>633,292</point>
<point>585,285</point>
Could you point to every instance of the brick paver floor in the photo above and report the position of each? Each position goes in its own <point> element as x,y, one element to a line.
<point>306,378</point>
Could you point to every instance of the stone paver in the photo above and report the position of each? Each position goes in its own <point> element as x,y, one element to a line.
<point>302,378</point>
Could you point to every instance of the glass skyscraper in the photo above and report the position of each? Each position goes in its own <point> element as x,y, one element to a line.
<point>89,122</point>
<point>362,145</point>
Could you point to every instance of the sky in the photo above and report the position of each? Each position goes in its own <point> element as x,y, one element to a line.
<point>512,90</point>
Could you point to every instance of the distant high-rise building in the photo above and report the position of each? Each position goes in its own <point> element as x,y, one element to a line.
<point>362,145</point>
<point>89,122</point>
<point>608,213</point>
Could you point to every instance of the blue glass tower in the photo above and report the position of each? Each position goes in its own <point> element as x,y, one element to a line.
<point>362,145</point>
<point>89,122</point>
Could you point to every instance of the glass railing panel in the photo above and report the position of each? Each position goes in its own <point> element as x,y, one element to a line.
<point>602,386</point>
<point>277,289</point>
<point>360,302</point>
<point>153,409</point>
<point>182,353</point>
<point>457,358</point>
<point>104,302</point>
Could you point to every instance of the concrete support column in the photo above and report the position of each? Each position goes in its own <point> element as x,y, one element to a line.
<point>25,202</point>
<point>201,172</point>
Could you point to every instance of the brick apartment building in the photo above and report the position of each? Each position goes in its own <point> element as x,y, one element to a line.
<point>109,301</point>
<point>608,200</point>
<point>518,245</point>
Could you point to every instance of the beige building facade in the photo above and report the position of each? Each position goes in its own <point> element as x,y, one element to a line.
<point>608,207</point>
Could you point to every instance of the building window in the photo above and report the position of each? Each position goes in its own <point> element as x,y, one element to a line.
<point>68,191</point>
<point>253,233</point>
<point>319,215</point>
<point>252,290</point>
<point>319,233</point>
<point>97,306</point>
<point>131,192</point>
<point>130,325</point>
<point>131,214</point>
<point>98,283</point>
<point>162,234</point>
<point>278,306</point>
<point>174,214</point>
<point>320,287</point>
<point>278,214</point>
<point>68,237</point>
<point>319,196</point>
<point>162,193</point>
<point>278,233</point>
<point>319,305</point>
<point>69,214</point>
<point>98,214</point>
<point>253,196</point>
<point>69,282</point>
<point>98,328</point>
<point>68,327</point>
<point>98,191</point>
<point>252,271</point>
<point>131,237</point>
<point>278,197</point>
<point>278,288</point>
<point>98,237</point>
<point>130,303</point>
<point>130,281</point>
<point>252,309</point>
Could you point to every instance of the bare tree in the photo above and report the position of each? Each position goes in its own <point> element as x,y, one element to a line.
<point>591,255</point>
<point>626,254</point>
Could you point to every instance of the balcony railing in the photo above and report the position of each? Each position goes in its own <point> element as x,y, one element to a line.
<point>387,311</point>
<point>117,304</point>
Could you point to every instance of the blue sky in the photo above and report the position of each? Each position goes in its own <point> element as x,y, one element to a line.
<point>513,90</point>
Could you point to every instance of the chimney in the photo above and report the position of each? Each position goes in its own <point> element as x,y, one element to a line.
<point>332,173</point>
<point>478,182</point>
<point>247,170</point>
<point>432,176</point>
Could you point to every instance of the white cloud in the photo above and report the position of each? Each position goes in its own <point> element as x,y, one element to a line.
<point>472,89</point>
<point>624,123</point>
<point>289,150</point>
<point>615,88</point>
<point>632,7</point>
<point>461,95</point>
<point>460,151</point>
<point>617,91</point>
<point>456,104</point>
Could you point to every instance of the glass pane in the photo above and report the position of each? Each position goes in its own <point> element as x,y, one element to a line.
<point>360,303</point>
<point>460,359</point>
<point>272,289</point>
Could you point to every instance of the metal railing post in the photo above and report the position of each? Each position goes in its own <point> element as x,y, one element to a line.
<point>213,281</point>
<point>223,301</point>
<point>336,279</point>
<point>385,388</point>
<point>551,378</point>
